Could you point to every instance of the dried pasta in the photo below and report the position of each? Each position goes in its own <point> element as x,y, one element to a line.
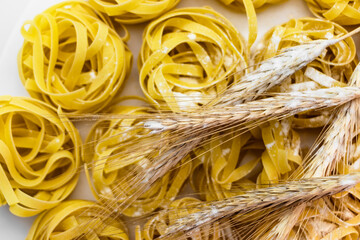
<point>69,220</point>
<point>134,11</point>
<point>339,11</point>
<point>72,57</point>
<point>39,156</point>
<point>333,68</point>
<point>188,56</point>
<point>109,162</point>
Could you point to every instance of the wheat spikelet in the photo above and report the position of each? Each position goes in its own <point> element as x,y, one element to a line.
<point>279,195</point>
<point>273,71</point>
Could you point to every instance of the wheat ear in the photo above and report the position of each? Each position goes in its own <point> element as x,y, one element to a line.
<point>279,195</point>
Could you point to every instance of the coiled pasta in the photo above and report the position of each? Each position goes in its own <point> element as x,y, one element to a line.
<point>110,162</point>
<point>134,11</point>
<point>188,56</point>
<point>333,68</point>
<point>339,11</point>
<point>70,219</point>
<point>71,58</point>
<point>39,156</point>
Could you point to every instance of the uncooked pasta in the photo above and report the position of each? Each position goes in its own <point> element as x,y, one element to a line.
<point>39,156</point>
<point>70,219</point>
<point>112,159</point>
<point>341,12</point>
<point>189,56</point>
<point>72,58</point>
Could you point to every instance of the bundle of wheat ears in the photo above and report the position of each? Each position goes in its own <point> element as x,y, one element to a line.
<point>261,213</point>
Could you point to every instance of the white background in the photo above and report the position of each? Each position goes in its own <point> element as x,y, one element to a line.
<point>13,13</point>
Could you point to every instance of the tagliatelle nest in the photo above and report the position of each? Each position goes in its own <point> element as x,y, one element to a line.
<point>69,221</point>
<point>73,58</point>
<point>39,156</point>
<point>332,68</point>
<point>134,11</point>
<point>341,12</point>
<point>188,57</point>
<point>109,162</point>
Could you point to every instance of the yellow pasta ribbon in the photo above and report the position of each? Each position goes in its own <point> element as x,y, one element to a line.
<point>188,56</point>
<point>157,225</point>
<point>240,4</point>
<point>283,151</point>
<point>343,12</point>
<point>39,156</point>
<point>109,162</point>
<point>72,58</point>
<point>70,219</point>
<point>134,11</point>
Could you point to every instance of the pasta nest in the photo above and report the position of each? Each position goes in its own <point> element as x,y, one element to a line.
<point>71,58</point>
<point>188,56</point>
<point>333,68</point>
<point>157,225</point>
<point>72,220</point>
<point>119,150</point>
<point>339,11</point>
<point>134,11</point>
<point>39,156</point>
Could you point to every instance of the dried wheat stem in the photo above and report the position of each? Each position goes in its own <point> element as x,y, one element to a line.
<point>279,195</point>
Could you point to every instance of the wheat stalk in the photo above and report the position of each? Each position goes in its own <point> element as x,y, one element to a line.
<point>278,195</point>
